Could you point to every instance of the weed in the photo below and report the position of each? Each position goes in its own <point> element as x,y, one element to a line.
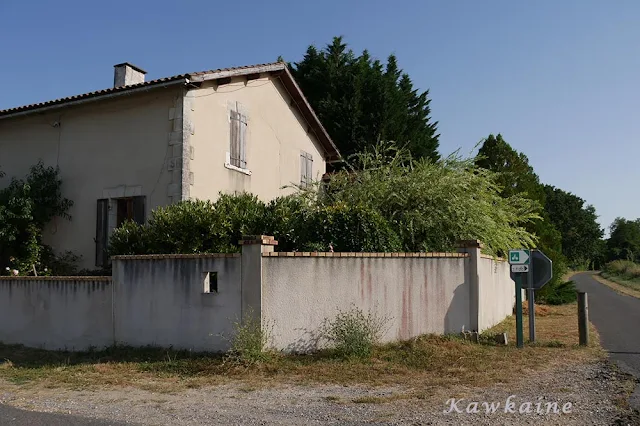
<point>250,340</point>
<point>353,334</point>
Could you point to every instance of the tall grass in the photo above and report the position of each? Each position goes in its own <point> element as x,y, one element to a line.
<point>624,269</point>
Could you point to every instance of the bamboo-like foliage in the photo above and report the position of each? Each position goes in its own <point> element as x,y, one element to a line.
<point>431,205</point>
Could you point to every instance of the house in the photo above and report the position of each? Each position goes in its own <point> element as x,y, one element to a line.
<point>126,150</point>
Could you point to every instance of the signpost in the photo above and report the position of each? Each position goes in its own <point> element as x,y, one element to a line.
<point>537,268</point>
<point>518,258</point>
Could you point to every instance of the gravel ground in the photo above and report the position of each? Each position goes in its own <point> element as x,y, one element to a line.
<point>591,389</point>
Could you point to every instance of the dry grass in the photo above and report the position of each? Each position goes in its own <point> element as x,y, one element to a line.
<point>630,288</point>
<point>425,363</point>
<point>558,327</point>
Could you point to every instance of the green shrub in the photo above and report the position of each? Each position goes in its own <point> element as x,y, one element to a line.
<point>433,205</point>
<point>192,227</point>
<point>557,293</point>
<point>343,227</point>
<point>390,204</point>
<point>353,334</point>
<point>249,341</point>
<point>26,207</point>
<point>206,227</point>
<point>63,264</point>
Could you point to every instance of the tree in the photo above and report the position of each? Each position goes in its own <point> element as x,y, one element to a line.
<point>516,176</point>
<point>577,223</point>
<point>624,240</point>
<point>360,101</point>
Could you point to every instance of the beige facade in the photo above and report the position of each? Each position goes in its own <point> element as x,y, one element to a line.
<point>276,136</point>
<point>125,151</point>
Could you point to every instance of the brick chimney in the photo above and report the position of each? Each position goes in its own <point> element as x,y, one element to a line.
<point>127,74</point>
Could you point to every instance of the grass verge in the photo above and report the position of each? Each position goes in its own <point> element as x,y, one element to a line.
<point>426,363</point>
<point>628,287</point>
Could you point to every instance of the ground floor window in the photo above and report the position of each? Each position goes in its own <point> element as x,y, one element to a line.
<point>126,208</point>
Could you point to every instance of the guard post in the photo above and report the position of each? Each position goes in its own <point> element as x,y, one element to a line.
<point>583,318</point>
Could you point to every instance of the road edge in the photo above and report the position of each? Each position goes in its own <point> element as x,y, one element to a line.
<point>618,288</point>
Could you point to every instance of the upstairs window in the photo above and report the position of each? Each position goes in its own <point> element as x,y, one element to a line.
<point>306,169</point>
<point>238,140</point>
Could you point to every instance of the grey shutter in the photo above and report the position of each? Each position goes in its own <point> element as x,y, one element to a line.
<point>242,124</point>
<point>235,138</point>
<point>102,232</point>
<point>139,210</point>
<point>309,168</point>
<point>306,169</point>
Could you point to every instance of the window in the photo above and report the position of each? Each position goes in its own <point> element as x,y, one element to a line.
<point>129,208</point>
<point>238,138</point>
<point>210,282</point>
<point>306,169</point>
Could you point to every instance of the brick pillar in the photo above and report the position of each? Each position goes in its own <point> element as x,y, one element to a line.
<point>251,276</point>
<point>472,275</point>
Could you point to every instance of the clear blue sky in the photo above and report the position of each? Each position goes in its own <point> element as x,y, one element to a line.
<point>559,79</point>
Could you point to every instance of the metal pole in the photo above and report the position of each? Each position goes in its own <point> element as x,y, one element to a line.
<point>519,333</point>
<point>532,315</point>
<point>531,304</point>
<point>583,318</point>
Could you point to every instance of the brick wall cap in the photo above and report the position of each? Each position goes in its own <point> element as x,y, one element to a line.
<point>470,244</point>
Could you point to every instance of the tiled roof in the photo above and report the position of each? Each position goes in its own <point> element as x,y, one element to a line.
<point>38,105</point>
<point>277,67</point>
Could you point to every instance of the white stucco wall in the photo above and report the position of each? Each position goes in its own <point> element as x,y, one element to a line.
<point>53,313</point>
<point>160,301</point>
<point>420,294</point>
<point>497,292</point>
<point>276,133</point>
<point>107,144</point>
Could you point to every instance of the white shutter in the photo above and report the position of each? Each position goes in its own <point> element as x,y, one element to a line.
<point>309,168</point>
<point>243,140</point>
<point>234,143</point>
<point>306,169</point>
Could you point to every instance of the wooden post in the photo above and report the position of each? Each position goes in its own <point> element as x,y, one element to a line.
<point>583,318</point>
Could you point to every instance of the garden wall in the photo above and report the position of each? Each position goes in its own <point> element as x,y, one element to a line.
<point>184,301</point>
<point>425,293</point>
<point>192,301</point>
<point>56,312</point>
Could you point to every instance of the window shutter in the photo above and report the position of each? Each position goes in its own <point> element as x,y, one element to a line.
<point>102,232</point>
<point>235,138</point>
<point>243,140</point>
<point>309,168</point>
<point>306,169</point>
<point>139,210</point>
<point>303,170</point>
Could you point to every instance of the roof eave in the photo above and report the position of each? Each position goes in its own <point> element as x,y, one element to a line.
<point>281,70</point>
<point>93,97</point>
<point>332,155</point>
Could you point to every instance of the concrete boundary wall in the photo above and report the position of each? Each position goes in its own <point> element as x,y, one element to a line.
<point>184,301</point>
<point>71,313</point>
<point>192,301</point>
<point>418,295</point>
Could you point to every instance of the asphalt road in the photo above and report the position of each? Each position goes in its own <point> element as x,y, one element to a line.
<point>617,318</point>
<point>14,417</point>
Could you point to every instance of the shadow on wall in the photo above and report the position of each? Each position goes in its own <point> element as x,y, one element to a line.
<point>308,342</point>
<point>457,315</point>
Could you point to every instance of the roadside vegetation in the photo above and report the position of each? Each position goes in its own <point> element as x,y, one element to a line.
<point>623,276</point>
<point>424,363</point>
